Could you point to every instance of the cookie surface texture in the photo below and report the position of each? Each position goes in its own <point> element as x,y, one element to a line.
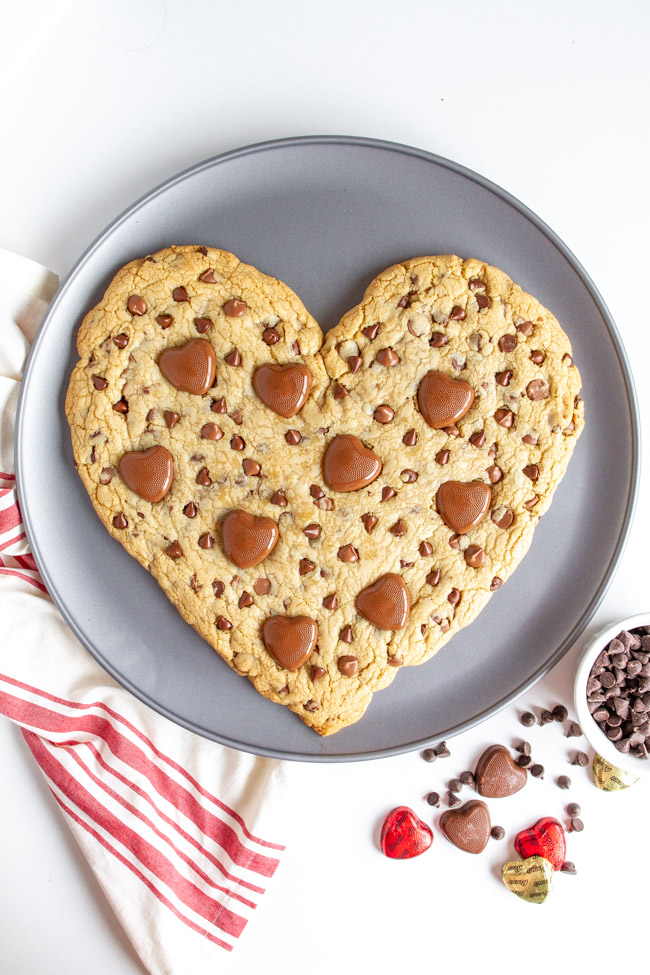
<point>232,452</point>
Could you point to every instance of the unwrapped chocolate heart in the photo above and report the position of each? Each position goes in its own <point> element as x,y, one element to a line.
<point>403,835</point>
<point>322,509</point>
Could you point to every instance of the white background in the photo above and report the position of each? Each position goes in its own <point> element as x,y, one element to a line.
<point>548,99</point>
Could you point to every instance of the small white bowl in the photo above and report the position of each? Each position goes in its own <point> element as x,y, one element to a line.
<point>597,738</point>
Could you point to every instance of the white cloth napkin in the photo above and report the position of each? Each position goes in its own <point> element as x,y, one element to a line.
<point>179,831</point>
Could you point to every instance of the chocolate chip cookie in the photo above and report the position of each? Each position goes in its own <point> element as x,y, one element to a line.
<point>323,511</point>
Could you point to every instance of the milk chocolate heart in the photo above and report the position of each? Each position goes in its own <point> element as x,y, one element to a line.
<point>348,465</point>
<point>545,839</point>
<point>284,389</point>
<point>191,367</point>
<point>463,506</point>
<point>148,472</point>
<point>443,400</point>
<point>386,603</point>
<point>467,827</point>
<point>403,835</point>
<point>349,515</point>
<point>290,640</point>
<point>530,879</point>
<point>247,539</point>
<point>497,775</point>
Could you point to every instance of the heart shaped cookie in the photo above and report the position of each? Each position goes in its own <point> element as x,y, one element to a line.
<point>323,510</point>
<point>530,879</point>
<point>403,835</point>
<point>545,839</point>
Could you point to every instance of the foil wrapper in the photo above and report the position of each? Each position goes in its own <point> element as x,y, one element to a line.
<point>609,778</point>
<point>531,879</point>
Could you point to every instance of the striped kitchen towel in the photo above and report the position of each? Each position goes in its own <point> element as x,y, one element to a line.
<point>179,831</point>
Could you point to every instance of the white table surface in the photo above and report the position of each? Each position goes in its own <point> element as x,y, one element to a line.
<point>548,99</point>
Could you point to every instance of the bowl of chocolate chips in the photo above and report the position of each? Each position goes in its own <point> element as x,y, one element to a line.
<point>612,693</point>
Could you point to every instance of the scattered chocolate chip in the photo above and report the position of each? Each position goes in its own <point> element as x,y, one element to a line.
<point>573,809</point>
<point>408,476</point>
<point>429,755</point>
<point>425,549</point>
<point>580,759</point>
<point>433,798</point>
<point>530,504</point>
<point>270,336</point>
<point>331,601</point>
<point>454,597</point>
<point>524,746</point>
<point>563,782</point>
<point>560,713</point>
<point>340,391</point>
<point>218,588</point>
<point>527,719</point>
<point>384,414</point>
<point>410,438</point>
<point>531,471</point>
<point>525,328</point>
<point>474,556</point>
<point>210,431</point>
<point>451,799</point>
<point>574,730</point>
<point>530,440</point>
<point>233,358</point>
<point>467,778</point>
<point>137,305</point>
<point>208,276</point>
<point>316,491</point>
<point>537,771</point>
<point>503,378</point>
<point>477,439</point>
<point>523,760</point>
<point>121,340</point>
<point>442,751</point>
<point>398,529</point>
<point>293,437</point>
<point>545,716</point>
<point>346,634</point>
<point>235,308</point>
<point>483,301</point>
<point>494,473</point>
<point>245,600</point>
<point>568,867</point>
<point>577,825</point>
<point>121,406</point>
<point>508,343</point>
<point>262,586</point>
<point>497,832</point>
<point>190,510</point>
<point>455,785</point>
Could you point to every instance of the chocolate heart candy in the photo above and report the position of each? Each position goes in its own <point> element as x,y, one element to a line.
<point>191,368</point>
<point>247,539</point>
<point>290,639</point>
<point>348,465</point>
<point>545,839</point>
<point>148,472</point>
<point>530,879</point>
<point>497,775</point>
<point>386,603</point>
<point>403,835</point>
<point>443,400</point>
<point>463,506</point>
<point>284,389</point>
<point>467,827</point>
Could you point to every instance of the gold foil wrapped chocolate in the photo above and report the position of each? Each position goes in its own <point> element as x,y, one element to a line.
<point>609,778</point>
<point>530,879</point>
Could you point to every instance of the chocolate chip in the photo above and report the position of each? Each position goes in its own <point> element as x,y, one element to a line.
<point>235,308</point>
<point>497,832</point>
<point>577,825</point>
<point>262,586</point>
<point>574,730</point>
<point>523,760</point>
<point>504,417</point>
<point>369,522</point>
<point>206,541</point>
<point>233,358</point>
<point>355,362</point>
<point>580,759</point>
<point>223,623</point>
<point>305,566</point>
<point>203,325</point>
<point>180,294</point>
<point>530,440</point>
<point>203,477</point>
<point>210,431</point>
<point>279,498</point>
<point>245,600</point>
<point>408,476</point>
<point>348,553</point>
<point>467,778</point>
<point>451,799</point>
<point>454,542</point>
<point>568,867</point>
<point>527,719</point>
<point>219,405</point>
<point>454,597</point>
<point>457,314</point>
<point>137,305</point>
<point>494,473</point>
<point>340,391</point>
<point>371,331</point>
<point>121,406</point>
<point>455,785</point>
<point>174,551</point>
<point>525,328</point>
<point>317,673</point>
<point>270,336</point>
<point>119,521</point>
<point>432,797</point>
<point>503,378</point>
<point>474,556</point>
<point>425,549</point>
<point>293,437</point>
<point>218,588</point>
<point>387,357</point>
<point>164,321</point>
<point>438,340</point>
<point>208,276</point>
<point>503,517</point>
<point>442,457</point>
<point>387,493</point>
<point>316,491</point>
<point>537,356</point>
<point>348,665</point>
<point>563,782</point>
<point>429,755</point>
<point>99,382</point>
<point>545,717</point>
<point>398,529</point>
<point>190,510</point>
<point>384,414</point>
<point>237,442</point>
<point>560,713</point>
<point>538,389</point>
<point>312,531</point>
<point>508,343</point>
<point>346,634</point>
<point>477,439</point>
<point>251,467</point>
<point>483,301</point>
<point>531,471</point>
<point>537,771</point>
<point>530,504</point>
<point>442,751</point>
<point>433,578</point>
<point>410,438</point>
